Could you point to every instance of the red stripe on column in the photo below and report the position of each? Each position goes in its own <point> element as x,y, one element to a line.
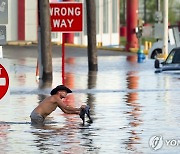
<point>21,19</point>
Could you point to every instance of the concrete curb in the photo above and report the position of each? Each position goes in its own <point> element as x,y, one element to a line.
<point>26,43</point>
<point>20,43</point>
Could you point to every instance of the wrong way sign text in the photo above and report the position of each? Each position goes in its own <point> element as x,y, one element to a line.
<point>66,17</point>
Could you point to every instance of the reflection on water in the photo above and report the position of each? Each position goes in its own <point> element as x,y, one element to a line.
<point>53,139</point>
<point>134,112</point>
<point>70,136</point>
<point>132,58</point>
<point>4,137</point>
<point>129,104</point>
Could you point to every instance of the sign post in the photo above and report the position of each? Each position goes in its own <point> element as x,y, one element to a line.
<point>66,17</point>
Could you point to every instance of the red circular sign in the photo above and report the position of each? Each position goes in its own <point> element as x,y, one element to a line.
<point>4,81</point>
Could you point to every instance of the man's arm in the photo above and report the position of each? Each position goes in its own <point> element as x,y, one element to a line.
<point>67,109</point>
<point>70,110</point>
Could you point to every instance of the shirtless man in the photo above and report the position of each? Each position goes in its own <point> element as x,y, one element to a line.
<point>50,103</point>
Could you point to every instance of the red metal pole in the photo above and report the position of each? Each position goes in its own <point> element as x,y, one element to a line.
<point>132,17</point>
<point>63,60</point>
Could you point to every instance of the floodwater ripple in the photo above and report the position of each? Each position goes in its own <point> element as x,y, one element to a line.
<point>129,104</point>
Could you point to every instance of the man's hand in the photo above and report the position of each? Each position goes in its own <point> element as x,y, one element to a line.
<point>83,107</point>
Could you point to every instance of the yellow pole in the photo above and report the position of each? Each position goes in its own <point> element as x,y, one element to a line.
<point>146,47</point>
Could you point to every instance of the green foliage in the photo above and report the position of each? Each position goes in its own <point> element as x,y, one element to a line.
<point>151,9</point>
<point>123,41</point>
<point>122,12</point>
<point>148,39</point>
<point>173,6</point>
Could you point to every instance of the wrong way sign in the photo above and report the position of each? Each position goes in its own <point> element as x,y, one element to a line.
<point>66,17</point>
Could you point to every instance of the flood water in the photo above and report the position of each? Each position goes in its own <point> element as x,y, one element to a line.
<point>129,104</point>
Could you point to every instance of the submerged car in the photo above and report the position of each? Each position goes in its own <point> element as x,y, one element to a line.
<point>172,62</point>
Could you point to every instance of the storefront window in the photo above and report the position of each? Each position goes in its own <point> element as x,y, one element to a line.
<point>105,15</point>
<point>85,19</point>
<point>97,16</point>
<point>114,16</point>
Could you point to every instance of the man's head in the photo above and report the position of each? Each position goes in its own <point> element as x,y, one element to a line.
<point>61,89</point>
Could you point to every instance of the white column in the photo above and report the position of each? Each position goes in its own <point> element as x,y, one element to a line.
<point>31,25</point>
<point>165,23</point>
<point>101,20</point>
<point>12,26</point>
<point>110,23</point>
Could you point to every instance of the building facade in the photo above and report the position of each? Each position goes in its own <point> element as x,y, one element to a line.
<point>23,23</point>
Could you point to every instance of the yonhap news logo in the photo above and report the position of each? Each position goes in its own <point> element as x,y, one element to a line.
<point>4,79</point>
<point>157,142</point>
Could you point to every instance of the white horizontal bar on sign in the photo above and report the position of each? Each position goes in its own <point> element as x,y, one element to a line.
<point>2,81</point>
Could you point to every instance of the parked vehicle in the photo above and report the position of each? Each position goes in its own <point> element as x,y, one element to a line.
<point>173,42</point>
<point>157,49</point>
<point>172,62</point>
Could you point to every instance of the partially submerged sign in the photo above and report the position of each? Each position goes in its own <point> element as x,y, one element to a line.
<point>66,17</point>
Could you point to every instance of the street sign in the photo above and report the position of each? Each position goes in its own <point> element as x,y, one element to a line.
<point>3,11</point>
<point>4,79</point>
<point>2,35</point>
<point>158,16</point>
<point>66,17</point>
<point>158,30</point>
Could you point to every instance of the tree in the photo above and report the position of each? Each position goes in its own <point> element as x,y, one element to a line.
<point>151,8</point>
<point>173,18</point>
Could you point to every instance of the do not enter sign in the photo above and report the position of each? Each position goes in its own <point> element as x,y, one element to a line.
<point>66,17</point>
<point>4,81</point>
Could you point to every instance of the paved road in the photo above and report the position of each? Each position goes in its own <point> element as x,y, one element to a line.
<point>32,51</point>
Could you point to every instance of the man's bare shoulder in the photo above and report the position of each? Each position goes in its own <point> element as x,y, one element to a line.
<point>52,99</point>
